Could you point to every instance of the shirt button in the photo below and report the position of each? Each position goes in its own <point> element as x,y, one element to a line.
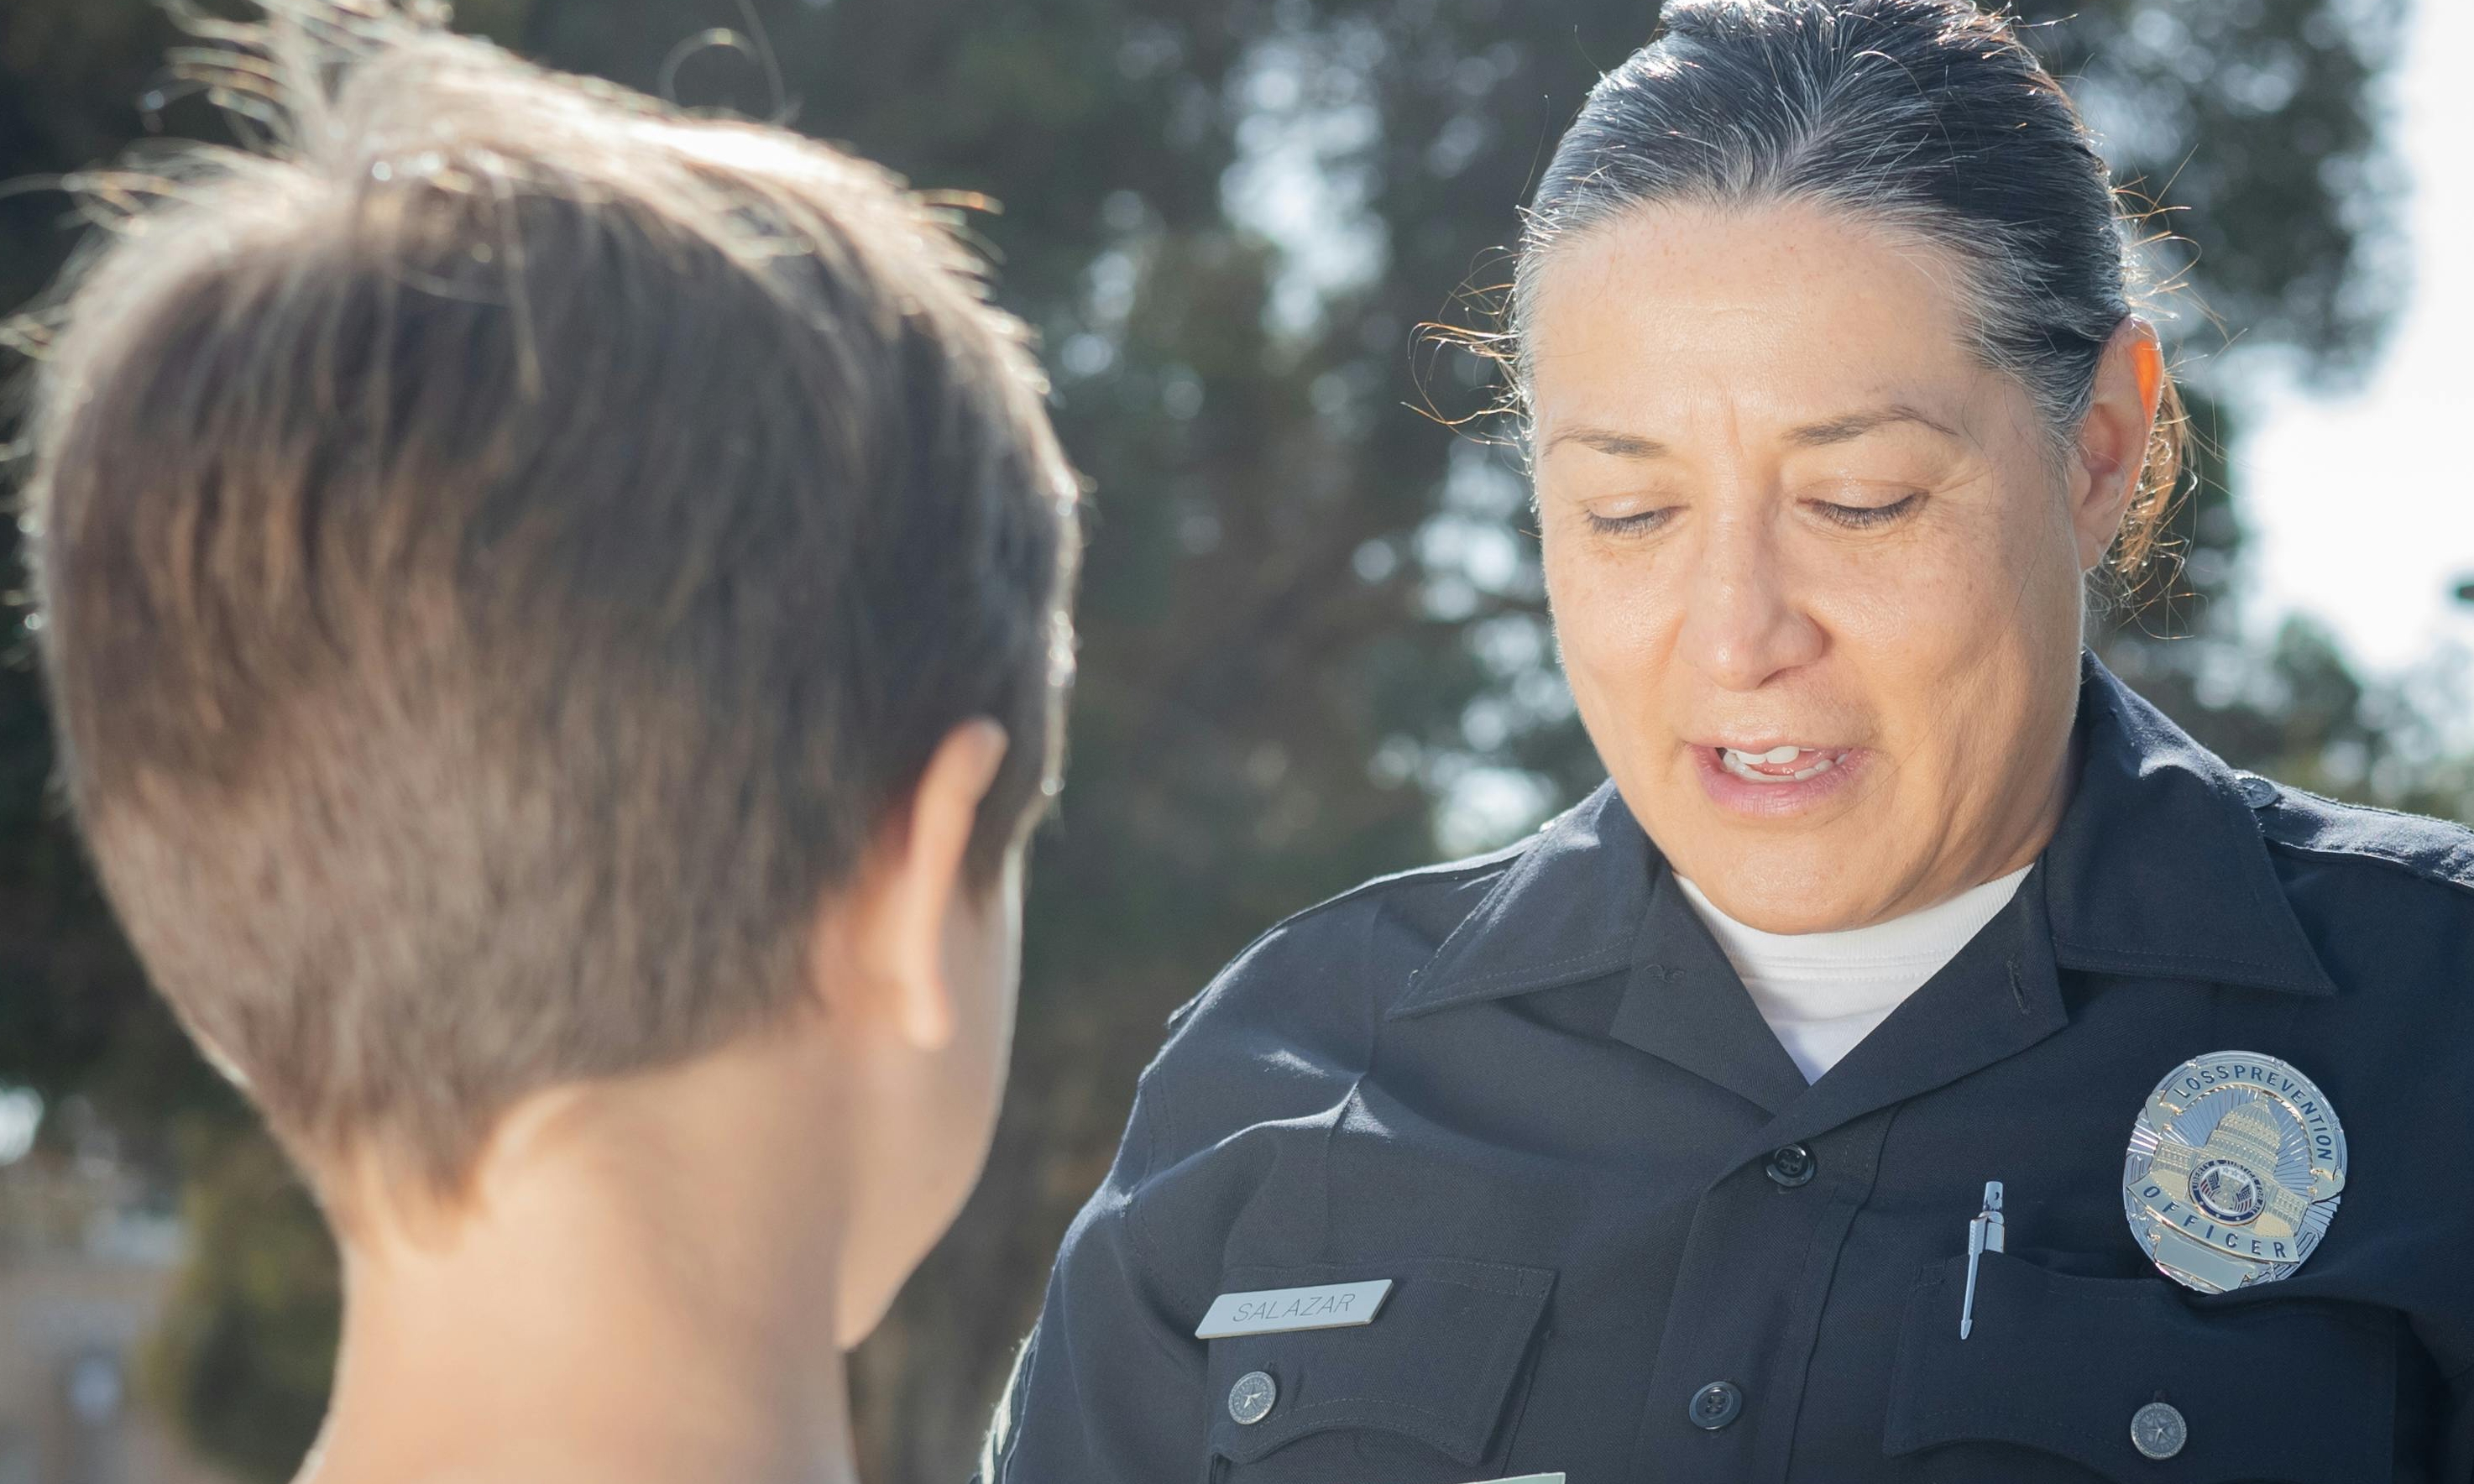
<point>2157,1430</point>
<point>1792,1166</point>
<point>1250,1400</point>
<point>1715,1405</point>
<point>2256,792</point>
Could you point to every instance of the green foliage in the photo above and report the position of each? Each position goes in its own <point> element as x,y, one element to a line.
<point>1308,611</point>
<point>245,1356</point>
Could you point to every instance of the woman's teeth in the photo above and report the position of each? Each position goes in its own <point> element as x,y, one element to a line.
<point>1774,766</point>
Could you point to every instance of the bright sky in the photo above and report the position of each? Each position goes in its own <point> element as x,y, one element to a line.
<point>2362,507</point>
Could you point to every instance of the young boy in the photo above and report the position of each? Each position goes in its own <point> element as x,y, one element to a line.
<point>557,616</point>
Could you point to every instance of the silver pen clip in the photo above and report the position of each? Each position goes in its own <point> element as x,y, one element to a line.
<point>1985,1235</point>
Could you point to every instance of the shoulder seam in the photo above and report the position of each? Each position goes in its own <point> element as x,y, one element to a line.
<point>2422,870</point>
<point>2455,869</point>
<point>1476,865</point>
<point>2354,807</point>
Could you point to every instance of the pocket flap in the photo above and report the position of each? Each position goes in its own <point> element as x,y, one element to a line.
<point>2268,1389</point>
<point>1438,1363</point>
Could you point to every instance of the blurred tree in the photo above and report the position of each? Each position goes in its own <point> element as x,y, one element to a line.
<point>1311,619</point>
<point>245,1356</point>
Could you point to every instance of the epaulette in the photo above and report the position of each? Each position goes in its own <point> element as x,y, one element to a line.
<point>2314,824</point>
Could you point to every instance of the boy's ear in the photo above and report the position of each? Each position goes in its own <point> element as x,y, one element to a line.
<point>888,927</point>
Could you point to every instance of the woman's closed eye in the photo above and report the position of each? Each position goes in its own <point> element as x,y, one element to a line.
<point>1851,517</point>
<point>1628,519</point>
<point>1865,517</point>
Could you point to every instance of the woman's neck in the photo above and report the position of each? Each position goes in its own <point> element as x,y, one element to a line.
<point>1822,993</point>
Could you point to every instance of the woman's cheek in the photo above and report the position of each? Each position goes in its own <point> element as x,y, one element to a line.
<point>1950,586</point>
<point>1586,598</point>
<point>1607,614</point>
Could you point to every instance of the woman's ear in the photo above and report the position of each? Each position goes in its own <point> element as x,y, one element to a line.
<point>882,940</point>
<point>2113,438</point>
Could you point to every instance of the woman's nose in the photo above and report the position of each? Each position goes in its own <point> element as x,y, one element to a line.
<point>1741,622</point>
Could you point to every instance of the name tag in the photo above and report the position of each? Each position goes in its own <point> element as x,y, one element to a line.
<point>1276,1310</point>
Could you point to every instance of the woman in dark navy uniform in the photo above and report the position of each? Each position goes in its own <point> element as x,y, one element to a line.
<point>1566,1164</point>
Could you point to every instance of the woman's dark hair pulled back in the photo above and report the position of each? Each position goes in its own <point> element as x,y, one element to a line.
<point>1926,118</point>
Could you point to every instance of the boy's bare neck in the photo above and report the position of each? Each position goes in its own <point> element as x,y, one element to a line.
<point>624,1301</point>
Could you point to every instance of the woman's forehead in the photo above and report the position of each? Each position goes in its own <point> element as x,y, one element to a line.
<point>1784,312</point>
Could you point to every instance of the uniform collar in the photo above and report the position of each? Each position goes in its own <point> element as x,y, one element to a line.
<point>2160,867</point>
<point>2157,869</point>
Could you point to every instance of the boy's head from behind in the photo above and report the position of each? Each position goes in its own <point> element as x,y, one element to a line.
<point>528,577</point>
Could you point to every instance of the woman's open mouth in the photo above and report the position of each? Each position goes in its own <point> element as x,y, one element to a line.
<point>1779,778</point>
<point>1785,763</point>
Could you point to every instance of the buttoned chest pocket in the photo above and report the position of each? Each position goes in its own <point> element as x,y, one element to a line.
<point>1429,1392</point>
<point>2052,1384</point>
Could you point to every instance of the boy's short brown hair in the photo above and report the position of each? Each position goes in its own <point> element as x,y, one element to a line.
<point>502,551</point>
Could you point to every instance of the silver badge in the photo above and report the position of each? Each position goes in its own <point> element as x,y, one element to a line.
<point>2236,1165</point>
<point>1278,1310</point>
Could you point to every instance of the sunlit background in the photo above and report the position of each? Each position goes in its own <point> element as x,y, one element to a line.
<point>2362,495</point>
<point>1315,642</point>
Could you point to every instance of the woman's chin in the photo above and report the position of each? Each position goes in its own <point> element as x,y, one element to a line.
<point>1788,911</point>
<point>1798,857</point>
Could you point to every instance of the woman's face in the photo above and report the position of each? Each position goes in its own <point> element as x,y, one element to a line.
<point>1816,574</point>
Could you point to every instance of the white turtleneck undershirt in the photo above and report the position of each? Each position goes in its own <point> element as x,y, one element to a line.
<point>1822,992</point>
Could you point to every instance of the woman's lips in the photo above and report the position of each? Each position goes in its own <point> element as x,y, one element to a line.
<point>1775,779</point>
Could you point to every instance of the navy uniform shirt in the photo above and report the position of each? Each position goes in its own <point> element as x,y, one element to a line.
<point>1629,1245</point>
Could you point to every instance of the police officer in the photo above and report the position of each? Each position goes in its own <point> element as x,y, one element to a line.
<point>1922,1061</point>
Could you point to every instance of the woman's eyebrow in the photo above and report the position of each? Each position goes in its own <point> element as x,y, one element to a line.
<point>1855,425</point>
<point>1843,428</point>
<point>1614,444</point>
